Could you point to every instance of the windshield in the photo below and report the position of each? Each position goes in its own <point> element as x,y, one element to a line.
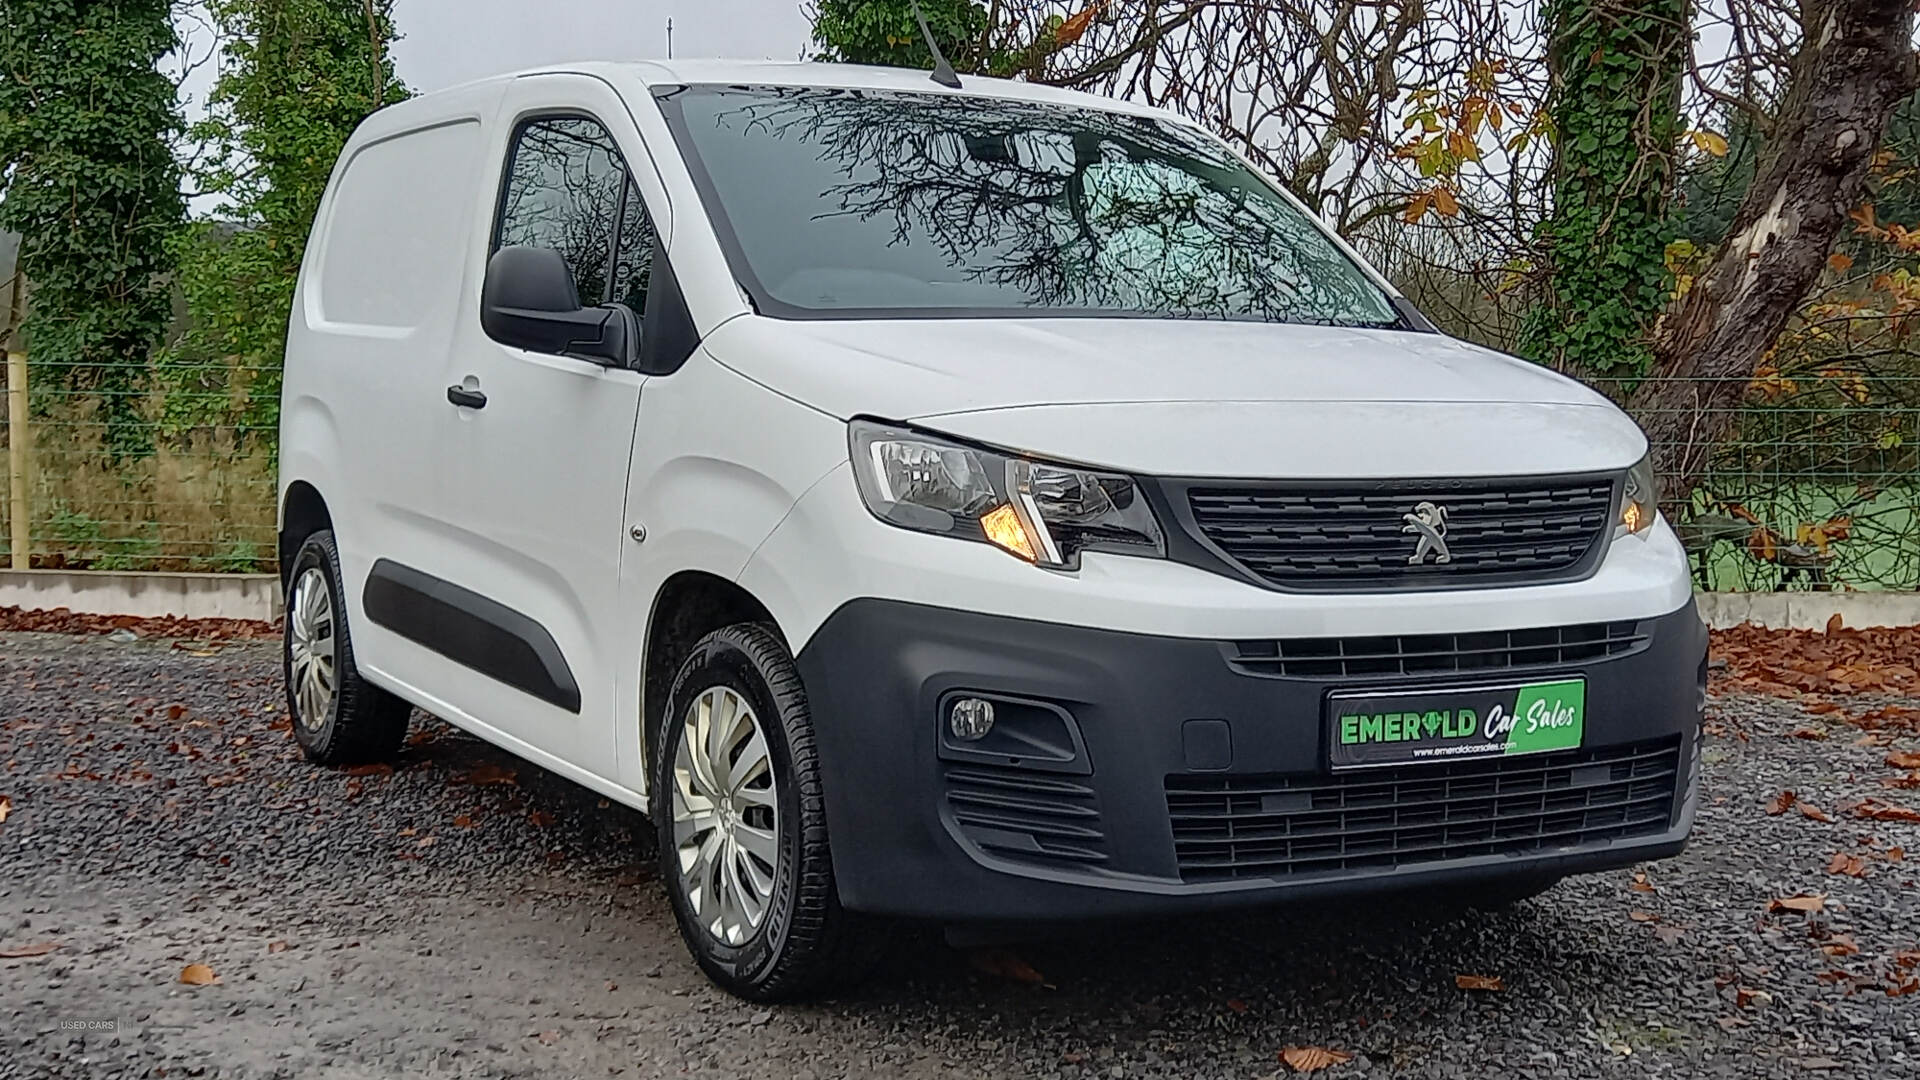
<point>861,203</point>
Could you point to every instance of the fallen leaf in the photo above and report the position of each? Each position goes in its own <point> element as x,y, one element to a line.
<point>1875,810</point>
<point>1744,996</point>
<point>198,975</point>
<point>1847,865</point>
<point>276,946</point>
<point>1840,262</point>
<point>541,819</point>
<point>1643,916</point>
<point>1641,884</point>
<point>21,952</point>
<point>1006,964</point>
<point>1811,734</point>
<point>546,1038</point>
<point>6,807</point>
<point>1236,1005</point>
<point>1479,982</point>
<point>463,821</point>
<point>1780,804</point>
<point>1896,854</point>
<point>372,768</point>
<point>1313,1058</point>
<point>1814,812</point>
<point>1668,935</point>
<point>176,711</point>
<point>1806,903</point>
<point>1835,624</point>
<point>1840,945</point>
<point>489,773</point>
<point>1903,759</point>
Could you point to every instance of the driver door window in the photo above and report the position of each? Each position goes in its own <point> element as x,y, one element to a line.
<point>569,190</point>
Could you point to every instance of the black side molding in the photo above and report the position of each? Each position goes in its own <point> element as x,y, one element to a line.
<point>470,629</point>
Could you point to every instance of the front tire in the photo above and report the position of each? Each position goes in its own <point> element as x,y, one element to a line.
<point>338,717</point>
<point>738,805</point>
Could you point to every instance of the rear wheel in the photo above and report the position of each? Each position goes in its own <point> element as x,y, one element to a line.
<point>338,717</point>
<point>742,826</point>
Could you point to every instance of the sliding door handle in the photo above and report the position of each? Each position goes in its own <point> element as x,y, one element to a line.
<point>465,398</point>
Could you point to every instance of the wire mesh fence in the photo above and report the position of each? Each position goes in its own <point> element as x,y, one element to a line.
<point>1813,483</point>
<point>183,480</point>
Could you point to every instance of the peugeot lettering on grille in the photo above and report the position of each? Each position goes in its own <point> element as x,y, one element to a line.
<point>1429,523</point>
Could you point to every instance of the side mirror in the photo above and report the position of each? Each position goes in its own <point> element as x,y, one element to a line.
<point>529,302</point>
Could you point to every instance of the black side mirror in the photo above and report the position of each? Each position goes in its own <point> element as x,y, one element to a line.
<point>529,302</point>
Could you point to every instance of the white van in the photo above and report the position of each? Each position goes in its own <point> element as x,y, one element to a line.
<point>993,505</point>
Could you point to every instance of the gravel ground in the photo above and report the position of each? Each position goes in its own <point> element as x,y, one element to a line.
<point>431,923</point>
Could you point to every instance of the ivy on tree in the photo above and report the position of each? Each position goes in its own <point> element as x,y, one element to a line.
<point>1614,105</point>
<point>300,76</point>
<point>88,178</point>
<point>884,32</point>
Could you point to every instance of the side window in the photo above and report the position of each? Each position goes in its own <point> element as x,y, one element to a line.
<point>568,189</point>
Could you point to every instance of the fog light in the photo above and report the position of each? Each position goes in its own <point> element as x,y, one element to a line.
<point>970,719</point>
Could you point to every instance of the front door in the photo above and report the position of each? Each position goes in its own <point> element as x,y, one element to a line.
<point>537,447</point>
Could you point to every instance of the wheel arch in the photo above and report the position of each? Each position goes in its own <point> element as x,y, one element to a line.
<point>303,512</point>
<point>689,605</point>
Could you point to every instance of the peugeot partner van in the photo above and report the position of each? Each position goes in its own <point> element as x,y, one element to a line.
<point>993,505</point>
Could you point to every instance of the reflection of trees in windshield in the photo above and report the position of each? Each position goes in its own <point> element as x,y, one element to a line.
<point>1064,208</point>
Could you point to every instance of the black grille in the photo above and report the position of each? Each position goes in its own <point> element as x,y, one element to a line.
<point>1332,536</point>
<point>1026,815</point>
<point>1228,827</point>
<point>1414,654</point>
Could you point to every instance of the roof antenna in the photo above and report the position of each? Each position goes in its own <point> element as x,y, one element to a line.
<point>942,71</point>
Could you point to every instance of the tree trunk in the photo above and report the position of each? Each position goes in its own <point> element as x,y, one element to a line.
<point>1856,65</point>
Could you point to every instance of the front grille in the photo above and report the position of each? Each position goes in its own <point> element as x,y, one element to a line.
<point>1227,827</point>
<point>1332,536</point>
<point>1026,815</point>
<point>1418,654</point>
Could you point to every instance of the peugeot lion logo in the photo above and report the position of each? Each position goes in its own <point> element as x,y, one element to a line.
<point>1429,522</point>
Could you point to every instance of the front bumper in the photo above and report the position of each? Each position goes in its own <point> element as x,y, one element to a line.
<point>1160,775</point>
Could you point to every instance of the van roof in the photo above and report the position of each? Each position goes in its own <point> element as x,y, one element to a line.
<point>810,73</point>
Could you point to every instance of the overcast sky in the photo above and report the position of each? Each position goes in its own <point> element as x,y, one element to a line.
<point>444,42</point>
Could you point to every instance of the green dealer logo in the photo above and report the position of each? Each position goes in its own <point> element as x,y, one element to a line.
<point>1407,726</point>
<point>1545,716</point>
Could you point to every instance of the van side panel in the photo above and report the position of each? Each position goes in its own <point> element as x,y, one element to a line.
<point>368,341</point>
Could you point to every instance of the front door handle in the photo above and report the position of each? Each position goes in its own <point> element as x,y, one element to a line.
<point>465,398</point>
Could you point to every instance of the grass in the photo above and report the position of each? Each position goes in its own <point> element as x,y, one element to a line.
<point>203,504</point>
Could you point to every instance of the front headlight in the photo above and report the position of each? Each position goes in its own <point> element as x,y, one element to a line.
<point>1042,512</point>
<point>1640,503</point>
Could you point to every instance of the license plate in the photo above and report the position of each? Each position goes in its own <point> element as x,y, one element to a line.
<point>1400,727</point>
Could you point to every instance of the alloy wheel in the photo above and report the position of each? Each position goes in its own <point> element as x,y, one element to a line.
<point>310,649</point>
<point>726,820</point>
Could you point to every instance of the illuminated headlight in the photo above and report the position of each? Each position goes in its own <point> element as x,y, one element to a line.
<point>1640,503</point>
<point>1038,511</point>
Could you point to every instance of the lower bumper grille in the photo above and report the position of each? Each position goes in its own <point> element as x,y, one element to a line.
<point>1228,827</point>
<point>1494,650</point>
<point>1026,815</point>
